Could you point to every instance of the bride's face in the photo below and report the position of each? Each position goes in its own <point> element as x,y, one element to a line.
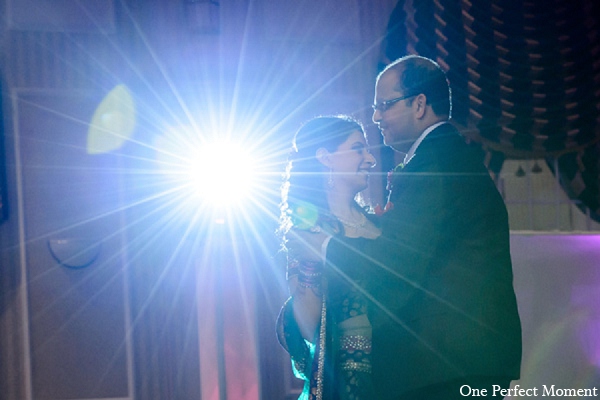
<point>350,163</point>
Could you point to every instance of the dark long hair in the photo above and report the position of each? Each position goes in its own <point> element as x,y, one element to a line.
<point>305,176</point>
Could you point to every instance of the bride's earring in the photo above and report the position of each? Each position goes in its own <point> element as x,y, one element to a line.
<point>323,158</point>
<point>330,183</point>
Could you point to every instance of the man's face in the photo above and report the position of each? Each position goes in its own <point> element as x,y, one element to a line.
<point>395,120</point>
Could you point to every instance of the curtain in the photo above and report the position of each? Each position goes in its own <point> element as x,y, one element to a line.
<point>525,78</point>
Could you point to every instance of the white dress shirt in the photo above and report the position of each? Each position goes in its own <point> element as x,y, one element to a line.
<point>413,148</point>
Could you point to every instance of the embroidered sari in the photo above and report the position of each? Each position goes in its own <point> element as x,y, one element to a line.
<point>336,364</point>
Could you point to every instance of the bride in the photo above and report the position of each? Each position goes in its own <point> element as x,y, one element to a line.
<point>324,324</point>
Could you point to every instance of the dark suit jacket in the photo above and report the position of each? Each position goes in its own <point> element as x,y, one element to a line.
<point>440,276</point>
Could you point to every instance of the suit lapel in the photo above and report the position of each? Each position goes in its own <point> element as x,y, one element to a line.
<point>424,156</point>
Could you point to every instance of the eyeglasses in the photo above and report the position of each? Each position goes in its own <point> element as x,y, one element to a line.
<point>385,105</point>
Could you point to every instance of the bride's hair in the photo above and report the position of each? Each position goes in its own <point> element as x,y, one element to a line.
<point>305,177</point>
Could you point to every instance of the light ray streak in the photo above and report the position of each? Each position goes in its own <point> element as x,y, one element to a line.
<point>419,287</point>
<point>105,214</point>
<point>83,307</point>
<point>397,320</point>
<point>238,80</point>
<point>362,55</point>
<point>167,218</point>
<point>160,66</point>
<point>74,119</point>
<point>390,313</point>
<point>175,201</point>
<point>119,51</point>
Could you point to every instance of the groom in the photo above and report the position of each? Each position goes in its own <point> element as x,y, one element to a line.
<point>443,307</point>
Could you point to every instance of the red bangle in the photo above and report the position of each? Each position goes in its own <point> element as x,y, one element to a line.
<point>309,274</point>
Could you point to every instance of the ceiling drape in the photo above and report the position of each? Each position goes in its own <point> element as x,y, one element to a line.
<point>525,78</point>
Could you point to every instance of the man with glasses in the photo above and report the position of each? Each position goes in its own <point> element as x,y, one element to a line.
<point>443,308</point>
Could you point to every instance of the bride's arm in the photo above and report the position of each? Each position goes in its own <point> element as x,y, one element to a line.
<point>307,301</point>
<point>305,279</point>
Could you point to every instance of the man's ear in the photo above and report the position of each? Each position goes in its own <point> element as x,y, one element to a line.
<point>323,156</point>
<point>420,105</point>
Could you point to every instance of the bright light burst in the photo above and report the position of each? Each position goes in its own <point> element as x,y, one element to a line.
<point>222,173</point>
<point>212,178</point>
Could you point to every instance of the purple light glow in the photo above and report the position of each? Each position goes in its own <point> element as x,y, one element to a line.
<point>557,281</point>
<point>585,296</point>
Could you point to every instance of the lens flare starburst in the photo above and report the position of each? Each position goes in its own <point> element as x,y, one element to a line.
<point>214,169</point>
